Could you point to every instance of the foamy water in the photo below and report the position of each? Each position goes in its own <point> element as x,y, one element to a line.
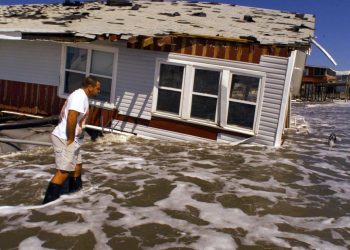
<point>149,194</point>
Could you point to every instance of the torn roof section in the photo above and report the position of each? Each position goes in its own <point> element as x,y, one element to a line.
<point>146,18</point>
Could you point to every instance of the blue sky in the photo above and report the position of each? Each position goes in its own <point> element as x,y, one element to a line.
<point>332,24</point>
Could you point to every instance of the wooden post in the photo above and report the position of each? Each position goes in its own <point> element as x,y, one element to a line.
<point>346,92</point>
<point>324,90</point>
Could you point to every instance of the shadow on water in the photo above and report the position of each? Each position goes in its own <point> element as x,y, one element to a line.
<point>149,194</point>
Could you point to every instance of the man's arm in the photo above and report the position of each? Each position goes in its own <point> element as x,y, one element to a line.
<point>72,118</point>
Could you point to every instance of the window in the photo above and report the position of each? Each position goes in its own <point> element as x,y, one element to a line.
<point>319,71</point>
<point>243,100</point>
<point>330,72</point>
<point>205,94</point>
<point>208,94</point>
<point>82,61</point>
<point>170,88</point>
<point>76,62</point>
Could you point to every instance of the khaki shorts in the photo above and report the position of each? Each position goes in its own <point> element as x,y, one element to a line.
<point>66,157</point>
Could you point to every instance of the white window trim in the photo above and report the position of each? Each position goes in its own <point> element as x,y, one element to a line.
<point>258,104</point>
<point>156,87</point>
<point>185,112</point>
<point>108,104</point>
<point>190,93</point>
<point>227,69</point>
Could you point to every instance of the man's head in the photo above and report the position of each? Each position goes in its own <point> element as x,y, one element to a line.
<point>91,86</point>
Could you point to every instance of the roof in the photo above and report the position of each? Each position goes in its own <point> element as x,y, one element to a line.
<point>148,18</point>
<point>343,72</point>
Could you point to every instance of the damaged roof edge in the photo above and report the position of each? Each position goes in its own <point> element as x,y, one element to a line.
<point>58,36</point>
<point>81,37</point>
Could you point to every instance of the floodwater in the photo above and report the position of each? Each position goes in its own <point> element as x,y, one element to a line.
<point>149,194</point>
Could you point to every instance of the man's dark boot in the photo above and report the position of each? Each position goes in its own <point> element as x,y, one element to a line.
<point>52,193</point>
<point>75,184</point>
<point>65,187</point>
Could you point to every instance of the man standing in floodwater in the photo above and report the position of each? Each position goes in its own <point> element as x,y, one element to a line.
<point>66,140</point>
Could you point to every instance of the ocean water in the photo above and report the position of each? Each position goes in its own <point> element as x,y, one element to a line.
<point>150,194</point>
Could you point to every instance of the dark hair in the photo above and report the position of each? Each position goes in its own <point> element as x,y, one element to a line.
<point>89,81</point>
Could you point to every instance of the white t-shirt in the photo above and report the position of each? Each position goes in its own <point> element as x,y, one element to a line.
<point>77,101</point>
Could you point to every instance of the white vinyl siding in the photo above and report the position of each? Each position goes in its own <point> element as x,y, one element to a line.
<point>31,62</point>
<point>135,78</point>
<point>274,87</point>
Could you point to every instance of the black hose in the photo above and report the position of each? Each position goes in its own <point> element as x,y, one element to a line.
<point>30,123</point>
<point>6,118</point>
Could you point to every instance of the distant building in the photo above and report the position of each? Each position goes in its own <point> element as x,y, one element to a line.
<point>323,83</point>
<point>343,82</point>
<point>172,70</point>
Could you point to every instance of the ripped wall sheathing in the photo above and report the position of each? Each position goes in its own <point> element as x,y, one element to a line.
<point>39,99</point>
<point>244,52</point>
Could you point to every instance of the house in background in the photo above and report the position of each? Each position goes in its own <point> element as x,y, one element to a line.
<point>173,70</point>
<point>343,84</point>
<point>323,83</point>
<point>318,83</point>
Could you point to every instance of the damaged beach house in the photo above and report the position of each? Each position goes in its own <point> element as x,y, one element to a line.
<point>193,71</point>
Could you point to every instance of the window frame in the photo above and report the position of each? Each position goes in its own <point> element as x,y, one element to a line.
<point>90,48</point>
<point>258,104</point>
<point>191,93</point>
<point>227,69</point>
<point>156,87</point>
